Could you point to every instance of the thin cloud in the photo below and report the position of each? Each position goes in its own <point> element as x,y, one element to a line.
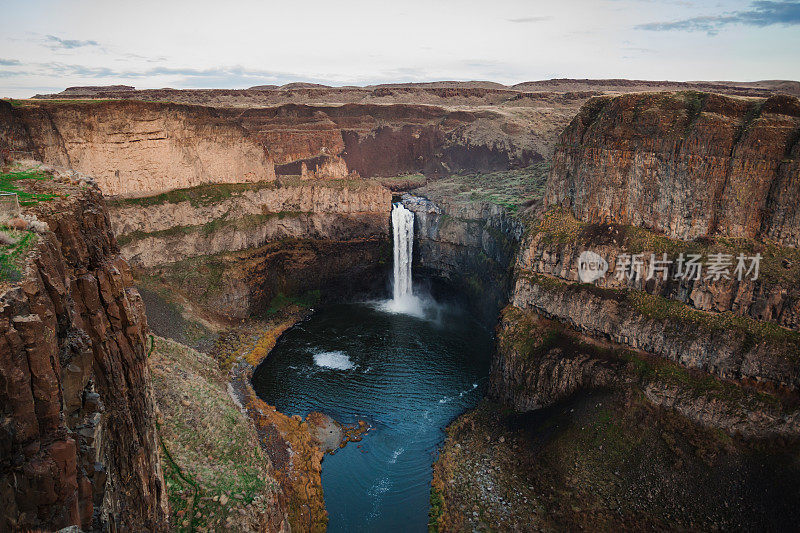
<point>761,14</point>
<point>636,49</point>
<point>525,20</point>
<point>57,43</point>
<point>8,62</point>
<point>224,76</point>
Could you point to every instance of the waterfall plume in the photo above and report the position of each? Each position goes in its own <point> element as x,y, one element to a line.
<point>403,298</point>
<point>403,230</point>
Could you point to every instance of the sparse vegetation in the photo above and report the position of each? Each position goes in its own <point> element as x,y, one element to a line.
<point>659,308</point>
<point>214,465</point>
<point>779,264</point>
<point>218,224</point>
<point>694,101</point>
<point>281,301</point>
<point>9,182</point>
<point>598,462</point>
<point>511,189</point>
<point>12,255</point>
<point>200,195</point>
<point>436,509</point>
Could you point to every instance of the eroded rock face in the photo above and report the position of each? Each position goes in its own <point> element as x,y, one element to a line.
<point>472,246</point>
<point>136,148</point>
<point>527,381</point>
<point>666,174</point>
<point>635,321</point>
<point>78,434</point>
<point>142,148</point>
<point>685,164</point>
<point>773,297</point>
<point>308,198</point>
<point>235,251</point>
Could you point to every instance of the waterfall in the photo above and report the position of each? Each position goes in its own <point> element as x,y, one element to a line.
<point>403,229</point>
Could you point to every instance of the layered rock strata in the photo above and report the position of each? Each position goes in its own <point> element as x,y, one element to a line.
<point>140,148</point>
<point>78,432</point>
<point>649,175</point>
<point>234,248</point>
<point>684,164</point>
<point>472,246</point>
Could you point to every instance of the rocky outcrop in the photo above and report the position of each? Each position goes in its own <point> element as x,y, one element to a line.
<point>540,362</point>
<point>233,249</point>
<point>685,164</point>
<point>78,432</point>
<point>535,367</point>
<point>471,245</point>
<point>249,233</point>
<point>149,215</point>
<point>386,140</point>
<point>726,348</point>
<point>139,148</point>
<point>653,175</point>
<point>557,240</point>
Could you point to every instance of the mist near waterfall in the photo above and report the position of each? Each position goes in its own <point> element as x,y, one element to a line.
<point>404,299</point>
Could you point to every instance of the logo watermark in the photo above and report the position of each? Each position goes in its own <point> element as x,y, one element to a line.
<point>591,266</point>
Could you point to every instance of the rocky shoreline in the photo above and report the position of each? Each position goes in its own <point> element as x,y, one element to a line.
<point>295,446</point>
<point>607,460</point>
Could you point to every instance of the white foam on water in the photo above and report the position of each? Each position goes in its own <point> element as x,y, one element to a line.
<point>377,491</point>
<point>333,360</point>
<point>396,454</point>
<point>404,305</point>
<point>462,393</point>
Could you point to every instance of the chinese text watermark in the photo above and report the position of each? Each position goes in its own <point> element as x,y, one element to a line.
<point>710,267</point>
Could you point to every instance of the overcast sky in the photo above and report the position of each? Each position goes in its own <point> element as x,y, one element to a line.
<point>46,46</point>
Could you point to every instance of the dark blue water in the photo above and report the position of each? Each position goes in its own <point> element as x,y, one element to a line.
<point>408,377</point>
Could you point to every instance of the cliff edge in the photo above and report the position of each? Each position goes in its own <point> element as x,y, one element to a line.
<point>77,428</point>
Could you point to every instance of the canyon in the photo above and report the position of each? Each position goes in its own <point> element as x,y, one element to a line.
<point>231,213</point>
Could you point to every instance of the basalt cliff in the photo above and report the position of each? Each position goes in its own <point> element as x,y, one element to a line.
<point>608,394</point>
<point>686,165</point>
<point>78,438</point>
<point>658,176</point>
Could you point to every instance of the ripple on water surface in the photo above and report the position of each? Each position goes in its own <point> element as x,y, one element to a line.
<point>408,376</point>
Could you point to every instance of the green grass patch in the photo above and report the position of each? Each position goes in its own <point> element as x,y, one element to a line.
<point>11,182</point>
<point>11,256</point>
<point>436,510</point>
<point>510,189</point>
<point>282,301</point>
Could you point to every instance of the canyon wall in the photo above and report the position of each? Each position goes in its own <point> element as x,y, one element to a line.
<point>685,164</point>
<point>138,148</point>
<point>386,140</point>
<point>78,432</point>
<point>235,248</point>
<point>655,174</point>
<point>470,245</point>
<point>141,148</point>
